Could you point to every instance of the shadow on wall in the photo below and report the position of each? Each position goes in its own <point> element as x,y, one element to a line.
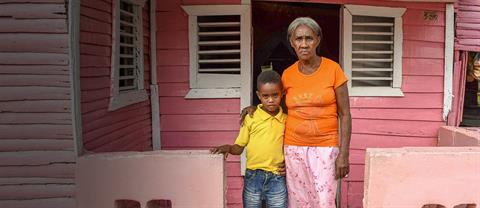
<point>127,203</point>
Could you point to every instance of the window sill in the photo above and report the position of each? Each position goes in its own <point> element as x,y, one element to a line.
<point>213,93</point>
<point>127,98</point>
<point>375,92</point>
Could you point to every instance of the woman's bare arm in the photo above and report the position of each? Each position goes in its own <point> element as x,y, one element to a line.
<point>343,109</point>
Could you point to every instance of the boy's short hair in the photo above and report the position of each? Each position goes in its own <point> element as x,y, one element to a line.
<point>269,76</point>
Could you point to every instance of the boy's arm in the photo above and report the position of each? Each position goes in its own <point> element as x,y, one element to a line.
<point>228,149</point>
<point>236,149</point>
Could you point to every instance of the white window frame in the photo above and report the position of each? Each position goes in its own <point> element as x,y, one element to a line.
<point>396,13</point>
<point>121,99</point>
<point>221,85</point>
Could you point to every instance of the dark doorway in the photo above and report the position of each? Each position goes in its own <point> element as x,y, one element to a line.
<point>471,105</point>
<point>270,21</point>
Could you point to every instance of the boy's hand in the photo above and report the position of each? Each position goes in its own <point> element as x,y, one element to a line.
<point>247,110</point>
<point>224,149</point>
<point>282,170</point>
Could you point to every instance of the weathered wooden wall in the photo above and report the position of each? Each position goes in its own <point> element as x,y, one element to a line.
<point>37,156</point>
<point>128,128</point>
<point>467,31</point>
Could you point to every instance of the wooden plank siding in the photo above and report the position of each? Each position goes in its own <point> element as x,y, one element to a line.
<point>467,19</point>
<point>196,123</point>
<point>36,144</point>
<point>125,129</point>
<point>411,120</point>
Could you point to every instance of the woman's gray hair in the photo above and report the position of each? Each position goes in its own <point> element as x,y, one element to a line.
<point>307,21</point>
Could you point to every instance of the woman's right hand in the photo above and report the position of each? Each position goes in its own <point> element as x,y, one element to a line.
<point>247,110</point>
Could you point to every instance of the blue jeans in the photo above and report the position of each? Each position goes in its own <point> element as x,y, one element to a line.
<point>261,185</point>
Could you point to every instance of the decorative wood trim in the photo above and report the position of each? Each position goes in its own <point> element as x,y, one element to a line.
<point>154,98</point>
<point>74,66</point>
<point>192,49</point>
<point>213,93</point>
<point>347,45</point>
<point>246,64</point>
<point>376,91</point>
<point>246,75</point>
<point>448,76</point>
<point>375,11</point>
<point>140,3</point>
<point>397,52</point>
<point>197,10</point>
<point>127,98</point>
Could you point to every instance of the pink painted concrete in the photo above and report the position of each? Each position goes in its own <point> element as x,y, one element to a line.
<point>414,176</point>
<point>458,136</point>
<point>187,178</point>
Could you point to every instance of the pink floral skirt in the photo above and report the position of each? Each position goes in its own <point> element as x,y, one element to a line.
<point>311,176</point>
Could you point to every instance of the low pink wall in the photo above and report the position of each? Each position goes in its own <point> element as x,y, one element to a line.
<point>458,136</point>
<point>415,176</point>
<point>187,178</point>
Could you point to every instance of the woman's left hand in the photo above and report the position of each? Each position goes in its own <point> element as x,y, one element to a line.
<point>341,166</point>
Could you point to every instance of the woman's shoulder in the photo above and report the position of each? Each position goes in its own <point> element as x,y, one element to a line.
<point>329,62</point>
<point>292,68</point>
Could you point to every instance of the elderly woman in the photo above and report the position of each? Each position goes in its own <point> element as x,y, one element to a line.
<point>316,98</point>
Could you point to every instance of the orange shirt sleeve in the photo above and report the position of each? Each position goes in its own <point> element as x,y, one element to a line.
<point>340,77</point>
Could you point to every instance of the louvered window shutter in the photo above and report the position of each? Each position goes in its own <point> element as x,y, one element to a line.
<point>218,44</point>
<point>129,53</point>
<point>372,51</point>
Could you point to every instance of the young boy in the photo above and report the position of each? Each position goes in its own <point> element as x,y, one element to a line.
<point>262,135</point>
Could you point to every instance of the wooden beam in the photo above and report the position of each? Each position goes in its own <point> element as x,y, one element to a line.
<point>64,202</point>
<point>36,158</point>
<point>37,191</point>
<point>449,44</point>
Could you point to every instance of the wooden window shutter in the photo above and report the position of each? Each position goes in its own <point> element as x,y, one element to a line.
<point>129,50</point>
<point>372,51</point>
<point>218,44</point>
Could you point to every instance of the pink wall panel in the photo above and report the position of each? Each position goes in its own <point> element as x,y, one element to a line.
<point>169,40</point>
<point>397,114</point>
<point>397,127</point>
<point>410,100</point>
<point>467,26</point>
<point>177,57</point>
<point>423,49</point>
<point>412,120</point>
<point>363,141</point>
<point>128,128</point>
<point>422,66</point>
<point>191,123</point>
<point>201,2</point>
<point>173,74</point>
<point>179,105</point>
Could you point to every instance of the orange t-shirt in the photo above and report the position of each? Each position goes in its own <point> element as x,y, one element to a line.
<point>312,107</point>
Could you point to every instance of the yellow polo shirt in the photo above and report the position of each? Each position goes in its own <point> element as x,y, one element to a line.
<point>262,136</point>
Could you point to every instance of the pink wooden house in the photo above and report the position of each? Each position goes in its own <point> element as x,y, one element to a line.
<point>89,76</point>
